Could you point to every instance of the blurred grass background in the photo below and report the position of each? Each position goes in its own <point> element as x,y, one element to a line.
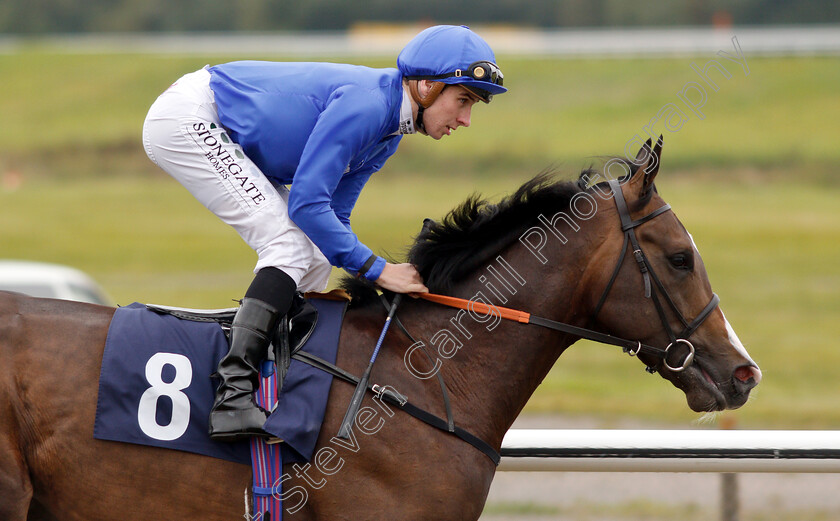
<point>755,181</point>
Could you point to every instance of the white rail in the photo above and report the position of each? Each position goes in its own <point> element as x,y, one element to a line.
<point>592,450</point>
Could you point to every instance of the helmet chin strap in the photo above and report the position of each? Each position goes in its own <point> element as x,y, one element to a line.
<point>418,121</point>
<point>424,102</point>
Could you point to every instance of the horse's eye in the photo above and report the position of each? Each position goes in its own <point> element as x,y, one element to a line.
<point>682,261</point>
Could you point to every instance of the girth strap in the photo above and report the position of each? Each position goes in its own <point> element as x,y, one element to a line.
<point>400,401</point>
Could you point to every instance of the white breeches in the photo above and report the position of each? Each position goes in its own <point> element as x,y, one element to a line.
<point>183,136</point>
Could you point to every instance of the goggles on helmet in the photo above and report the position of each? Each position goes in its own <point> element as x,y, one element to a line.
<point>481,70</point>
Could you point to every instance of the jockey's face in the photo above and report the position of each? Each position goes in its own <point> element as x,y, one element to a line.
<point>449,111</point>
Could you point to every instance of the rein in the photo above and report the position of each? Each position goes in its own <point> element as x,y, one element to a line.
<point>523,317</point>
<point>632,347</point>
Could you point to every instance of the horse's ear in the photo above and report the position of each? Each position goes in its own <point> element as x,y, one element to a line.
<point>648,161</point>
<point>643,154</point>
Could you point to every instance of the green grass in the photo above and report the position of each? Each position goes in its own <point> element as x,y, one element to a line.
<point>783,113</point>
<point>754,182</point>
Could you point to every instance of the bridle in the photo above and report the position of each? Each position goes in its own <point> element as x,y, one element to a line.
<point>631,347</point>
<point>628,226</point>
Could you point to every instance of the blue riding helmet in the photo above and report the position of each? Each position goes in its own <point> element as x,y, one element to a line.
<point>453,55</point>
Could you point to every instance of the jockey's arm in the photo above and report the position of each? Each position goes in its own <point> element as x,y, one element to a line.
<point>344,128</point>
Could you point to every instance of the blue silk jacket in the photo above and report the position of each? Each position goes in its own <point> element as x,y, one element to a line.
<point>323,128</point>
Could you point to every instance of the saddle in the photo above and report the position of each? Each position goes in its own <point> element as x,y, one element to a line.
<point>292,331</point>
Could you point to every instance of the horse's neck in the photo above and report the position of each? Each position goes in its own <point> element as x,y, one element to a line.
<point>500,366</point>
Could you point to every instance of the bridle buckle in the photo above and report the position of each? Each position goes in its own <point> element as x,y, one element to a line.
<point>633,352</point>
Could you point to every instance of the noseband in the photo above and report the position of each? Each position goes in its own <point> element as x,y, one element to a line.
<point>632,347</point>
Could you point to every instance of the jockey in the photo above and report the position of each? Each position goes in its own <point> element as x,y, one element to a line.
<point>281,152</point>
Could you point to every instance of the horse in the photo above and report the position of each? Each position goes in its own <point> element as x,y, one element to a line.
<point>596,256</point>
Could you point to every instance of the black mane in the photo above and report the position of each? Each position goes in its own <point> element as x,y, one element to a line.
<point>474,232</point>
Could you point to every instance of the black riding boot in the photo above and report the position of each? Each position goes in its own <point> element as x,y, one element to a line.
<point>235,414</point>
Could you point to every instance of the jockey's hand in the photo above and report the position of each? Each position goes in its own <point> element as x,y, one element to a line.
<point>401,278</point>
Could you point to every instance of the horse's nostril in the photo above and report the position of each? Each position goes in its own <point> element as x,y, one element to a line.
<point>747,375</point>
<point>743,373</point>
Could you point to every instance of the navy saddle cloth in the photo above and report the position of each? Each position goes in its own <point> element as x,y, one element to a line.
<point>155,386</point>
